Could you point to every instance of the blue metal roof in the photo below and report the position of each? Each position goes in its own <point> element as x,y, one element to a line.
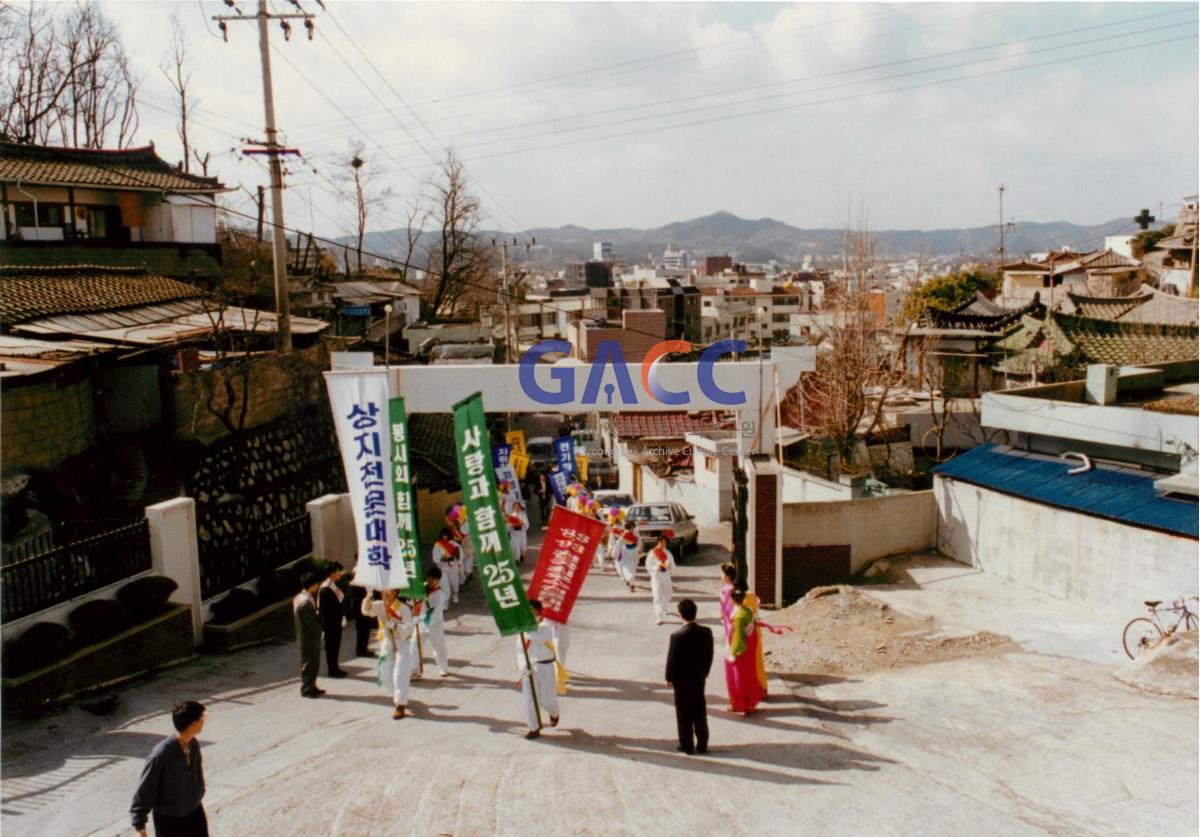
<point>1124,494</point>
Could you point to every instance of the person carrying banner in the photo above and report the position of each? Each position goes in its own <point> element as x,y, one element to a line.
<point>445,558</point>
<point>535,659</point>
<point>630,548</point>
<point>518,529</point>
<point>432,624</point>
<point>397,621</point>
<point>660,563</point>
<point>612,539</point>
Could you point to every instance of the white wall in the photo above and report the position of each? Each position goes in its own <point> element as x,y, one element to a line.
<point>655,489</point>
<point>802,487</point>
<point>873,527</point>
<point>713,488</point>
<point>1099,563</point>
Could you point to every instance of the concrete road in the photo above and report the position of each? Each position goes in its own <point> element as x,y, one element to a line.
<point>1024,744</point>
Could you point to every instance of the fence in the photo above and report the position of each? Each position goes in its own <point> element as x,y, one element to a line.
<point>225,566</point>
<point>65,572</point>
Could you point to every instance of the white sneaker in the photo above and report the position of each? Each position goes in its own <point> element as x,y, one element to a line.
<point>455,599</point>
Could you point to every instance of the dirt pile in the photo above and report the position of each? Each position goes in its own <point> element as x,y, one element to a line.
<point>1168,669</point>
<point>842,630</point>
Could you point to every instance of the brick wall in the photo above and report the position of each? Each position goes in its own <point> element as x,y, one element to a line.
<point>766,488</point>
<point>277,385</point>
<point>640,330</point>
<point>43,424</point>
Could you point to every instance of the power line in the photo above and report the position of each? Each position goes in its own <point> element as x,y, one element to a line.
<point>832,100</point>
<point>799,79</point>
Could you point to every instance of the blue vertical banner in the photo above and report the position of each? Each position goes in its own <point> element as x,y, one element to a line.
<point>501,454</point>
<point>559,479</point>
<point>564,454</point>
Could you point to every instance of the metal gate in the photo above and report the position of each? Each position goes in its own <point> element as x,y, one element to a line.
<point>806,567</point>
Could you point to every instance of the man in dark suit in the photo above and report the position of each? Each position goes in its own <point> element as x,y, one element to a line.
<point>332,611</point>
<point>688,662</point>
<point>364,626</point>
<point>308,636</point>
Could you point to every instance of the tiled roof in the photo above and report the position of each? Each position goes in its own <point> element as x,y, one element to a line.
<point>1105,307</point>
<point>1038,343</point>
<point>131,168</point>
<point>980,305</point>
<point>29,293</point>
<point>1107,258</point>
<point>983,322</point>
<point>666,425</point>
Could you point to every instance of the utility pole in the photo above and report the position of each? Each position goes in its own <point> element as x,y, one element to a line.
<point>1002,226</point>
<point>273,150</point>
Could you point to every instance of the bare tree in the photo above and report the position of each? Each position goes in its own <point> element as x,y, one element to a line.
<point>66,75</point>
<point>366,197</point>
<point>459,264</point>
<point>174,68</point>
<point>857,362</point>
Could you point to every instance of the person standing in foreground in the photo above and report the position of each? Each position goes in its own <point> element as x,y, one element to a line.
<point>308,636</point>
<point>535,659</point>
<point>171,787</point>
<point>332,611</point>
<point>689,659</point>
<point>660,563</point>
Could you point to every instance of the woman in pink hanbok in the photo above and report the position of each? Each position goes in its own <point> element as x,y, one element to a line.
<point>728,578</point>
<point>741,657</point>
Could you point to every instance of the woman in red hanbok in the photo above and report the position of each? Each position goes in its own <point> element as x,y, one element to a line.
<point>741,658</point>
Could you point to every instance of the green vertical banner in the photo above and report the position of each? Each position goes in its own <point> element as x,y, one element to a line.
<point>406,507</point>
<point>489,534</point>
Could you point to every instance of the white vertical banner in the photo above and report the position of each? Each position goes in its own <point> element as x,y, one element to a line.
<point>359,400</point>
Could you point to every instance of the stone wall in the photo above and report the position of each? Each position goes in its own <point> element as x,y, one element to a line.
<point>44,424</point>
<point>277,385</point>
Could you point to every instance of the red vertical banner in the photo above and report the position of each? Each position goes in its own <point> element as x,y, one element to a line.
<point>567,552</point>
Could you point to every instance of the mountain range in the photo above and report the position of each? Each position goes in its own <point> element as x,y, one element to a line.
<point>762,240</point>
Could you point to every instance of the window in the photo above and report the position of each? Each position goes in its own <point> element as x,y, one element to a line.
<point>48,215</point>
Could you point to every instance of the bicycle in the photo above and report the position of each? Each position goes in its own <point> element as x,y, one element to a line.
<point>1142,633</point>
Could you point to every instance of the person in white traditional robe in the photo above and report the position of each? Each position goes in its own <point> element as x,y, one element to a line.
<point>612,539</point>
<point>562,639</point>
<point>432,623</point>
<point>629,548</point>
<point>446,556</point>
<point>660,563</point>
<point>539,673</point>
<point>518,529</point>
<point>397,621</point>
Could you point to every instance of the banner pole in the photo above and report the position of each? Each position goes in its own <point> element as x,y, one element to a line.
<point>532,681</point>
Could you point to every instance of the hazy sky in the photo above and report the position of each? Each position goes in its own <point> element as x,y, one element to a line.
<point>640,114</point>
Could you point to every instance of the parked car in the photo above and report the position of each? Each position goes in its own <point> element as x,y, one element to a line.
<point>654,518</point>
<point>607,499</point>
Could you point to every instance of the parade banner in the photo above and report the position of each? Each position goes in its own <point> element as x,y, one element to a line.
<point>581,462</point>
<point>559,480</point>
<point>501,455</point>
<point>516,438</point>
<point>564,454</point>
<point>571,542</point>
<point>406,506</point>
<point>520,463</point>
<point>359,401</point>
<point>493,553</point>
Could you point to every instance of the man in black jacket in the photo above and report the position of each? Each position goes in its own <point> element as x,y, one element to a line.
<point>688,663</point>
<point>171,788</point>
<point>332,612</point>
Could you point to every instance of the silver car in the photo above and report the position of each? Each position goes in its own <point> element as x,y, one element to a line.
<point>654,518</point>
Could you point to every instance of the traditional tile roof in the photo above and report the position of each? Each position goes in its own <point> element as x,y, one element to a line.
<point>30,293</point>
<point>980,305</point>
<point>667,425</point>
<point>999,322</point>
<point>1040,343</point>
<point>130,168</point>
<point>1148,305</point>
<point>1107,258</point>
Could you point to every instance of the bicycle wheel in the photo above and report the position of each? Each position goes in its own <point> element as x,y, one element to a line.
<point>1191,623</point>
<point>1140,634</point>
